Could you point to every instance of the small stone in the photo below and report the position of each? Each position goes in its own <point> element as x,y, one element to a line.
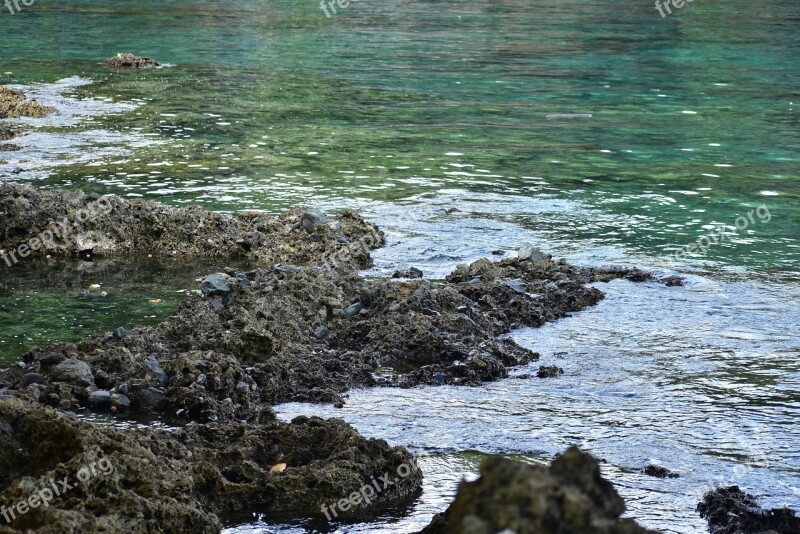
<point>412,272</point>
<point>312,218</point>
<point>155,370</point>
<point>352,310</point>
<point>31,378</point>
<point>659,472</point>
<point>243,388</point>
<point>529,252</point>
<point>121,333</point>
<point>278,468</point>
<point>73,371</point>
<point>54,358</point>
<point>215,285</point>
<point>92,197</point>
<point>100,398</point>
<point>321,332</point>
<point>550,371</point>
<point>103,380</point>
<point>202,379</point>
<point>217,305</point>
<point>518,285</point>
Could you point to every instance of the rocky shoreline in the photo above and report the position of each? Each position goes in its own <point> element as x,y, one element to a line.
<point>300,324</point>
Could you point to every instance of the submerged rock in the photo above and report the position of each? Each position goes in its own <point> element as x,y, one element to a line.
<point>659,472</point>
<point>568,497</point>
<point>179,480</point>
<point>13,105</point>
<point>550,371</point>
<point>732,511</point>
<point>130,61</point>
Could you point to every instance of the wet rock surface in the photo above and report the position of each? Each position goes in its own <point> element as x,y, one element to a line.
<point>180,480</point>
<point>659,472</point>
<point>14,105</point>
<point>130,61</point>
<point>73,223</point>
<point>732,511</point>
<point>568,497</point>
<point>291,333</point>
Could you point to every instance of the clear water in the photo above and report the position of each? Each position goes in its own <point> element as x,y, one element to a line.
<point>407,109</point>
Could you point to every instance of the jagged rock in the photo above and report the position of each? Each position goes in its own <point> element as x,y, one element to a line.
<point>549,371</point>
<point>74,371</point>
<point>14,105</point>
<point>216,285</point>
<point>732,511</point>
<point>130,61</point>
<point>659,472</point>
<point>569,497</point>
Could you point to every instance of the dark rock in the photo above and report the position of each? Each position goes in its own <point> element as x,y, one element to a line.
<point>74,371</point>
<point>216,285</point>
<point>732,511</point>
<point>155,370</point>
<point>498,253</point>
<point>92,197</point>
<point>321,332</point>
<point>352,310</point>
<point>54,358</point>
<point>150,400</point>
<point>100,398</point>
<point>312,218</point>
<point>659,472</point>
<point>549,371</point>
<point>568,497</point>
<point>130,61</point>
<point>121,333</point>
<point>412,273</point>
<point>31,378</point>
<point>518,285</point>
<point>103,380</point>
<point>217,305</point>
<point>120,401</point>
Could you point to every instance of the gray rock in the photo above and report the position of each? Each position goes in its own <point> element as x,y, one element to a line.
<point>215,285</point>
<point>121,333</point>
<point>217,305</point>
<point>529,252</point>
<point>54,358</point>
<point>120,401</point>
<point>151,400</point>
<point>31,378</point>
<point>412,272</point>
<point>312,218</point>
<point>352,310</point>
<point>102,380</point>
<point>243,388</point>
<point>100,398</point>
<point>73,371</point>
<point>518,285</point>
<point>202,379</point>
<point>155,370</point>
<point>321,332</point>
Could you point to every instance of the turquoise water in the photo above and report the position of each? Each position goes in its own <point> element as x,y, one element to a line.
<point>600,131</point>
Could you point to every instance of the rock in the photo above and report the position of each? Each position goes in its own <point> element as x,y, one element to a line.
<point>155,370</point>
<point>100,398</point>
<point>732,511</point>
<point>130,61</point>
<point>92,197</point>
<point>54,358</point>
<point>150,400</point>
<point>217,305</point>
<point>321,332</point>
<point>243,388</point>
<point>121,333</point>
<point>412,273</point>
<point>216,285</point>
<point>120,400</point>
<point>13,105</point>
<point>312,218</point>
<point>103,380</point>
<point>201,379</point>
<point>518,285</point>
<point>570,496</point>
<point>31,378</point>
<point>529,252</point>
<point>352,310</point>
<point>73,371</point>
<point>550,371</point>
<point>659,472</point>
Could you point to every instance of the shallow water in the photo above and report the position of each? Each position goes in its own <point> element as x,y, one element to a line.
<point>599,131</point>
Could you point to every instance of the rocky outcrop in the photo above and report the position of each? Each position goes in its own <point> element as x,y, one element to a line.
<point>14,105</point>
<point>144,480</point>
<point>568,497</point>
<point>39,223</point>
<point>290,333</point>
<point>732,511</point>
<point>130,61</point>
